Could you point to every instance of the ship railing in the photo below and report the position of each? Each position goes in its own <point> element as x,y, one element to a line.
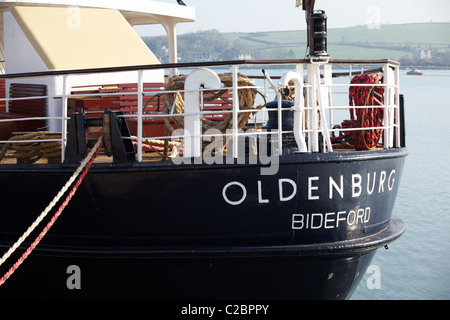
<point>316,104</point>
<point>390,103</point>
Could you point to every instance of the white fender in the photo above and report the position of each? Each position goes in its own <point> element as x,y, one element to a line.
<point>298,107</point>
<point>199,78</point>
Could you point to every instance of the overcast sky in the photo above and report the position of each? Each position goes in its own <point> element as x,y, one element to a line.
<point>275,15</point>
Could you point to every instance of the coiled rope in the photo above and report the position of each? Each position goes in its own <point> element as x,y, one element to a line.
<point>87,162</point>
<point>32,151</point>
<point>173,102</point>
<point>366,117</point>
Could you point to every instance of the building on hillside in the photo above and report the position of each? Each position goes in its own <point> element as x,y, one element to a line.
<point>245,56</point>
<point>422,53</point>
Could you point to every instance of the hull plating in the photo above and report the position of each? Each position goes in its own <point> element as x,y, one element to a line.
<point>218,231</point>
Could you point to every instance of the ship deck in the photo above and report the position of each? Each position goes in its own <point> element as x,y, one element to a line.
<point>234,111</point>
<point>102,157</point>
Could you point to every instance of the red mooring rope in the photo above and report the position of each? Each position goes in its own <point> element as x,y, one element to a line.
<point>50,224</point>
<point>366,117</point>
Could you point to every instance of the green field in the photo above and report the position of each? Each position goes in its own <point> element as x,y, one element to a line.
<point>400,42</point>
<point>359,42</point>
<point>414,33</point>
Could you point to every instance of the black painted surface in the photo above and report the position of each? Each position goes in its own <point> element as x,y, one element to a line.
<point>135,226</point>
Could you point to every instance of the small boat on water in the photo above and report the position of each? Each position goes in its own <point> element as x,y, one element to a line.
<point>122,178</point>
<point>414,72</point>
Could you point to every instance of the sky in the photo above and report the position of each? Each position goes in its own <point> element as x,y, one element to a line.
<point>281,15</point>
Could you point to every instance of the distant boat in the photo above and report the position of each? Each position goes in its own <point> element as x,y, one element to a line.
<point>415,72</point>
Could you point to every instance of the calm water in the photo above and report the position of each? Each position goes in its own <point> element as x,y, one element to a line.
<point>416,266</point>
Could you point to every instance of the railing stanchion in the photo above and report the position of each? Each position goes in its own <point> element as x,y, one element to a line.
<point>280,122</point>
<point>313,74</point>
<point>388,102</point>
<point>64,119</point>
<point>234,71</point>
<point>140,97</point>
<point>397,107</point>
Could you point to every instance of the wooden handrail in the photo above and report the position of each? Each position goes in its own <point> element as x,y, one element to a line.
<point>186,65</point>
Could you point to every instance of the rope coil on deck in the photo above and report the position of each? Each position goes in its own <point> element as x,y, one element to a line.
<point>87,162</point>
<point>30,152</point>
<point>247,97</point>
<point>369,117</point>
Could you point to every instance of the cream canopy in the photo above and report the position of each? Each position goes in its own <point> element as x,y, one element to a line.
<point>113,39</point>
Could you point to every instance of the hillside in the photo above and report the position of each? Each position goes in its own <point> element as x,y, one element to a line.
<point>414,33</point>
<point>403,42</point>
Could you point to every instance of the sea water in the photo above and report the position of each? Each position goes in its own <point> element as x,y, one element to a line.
<point>417,265</point>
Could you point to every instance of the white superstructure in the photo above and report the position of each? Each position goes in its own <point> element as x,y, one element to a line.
<point>68,34</point>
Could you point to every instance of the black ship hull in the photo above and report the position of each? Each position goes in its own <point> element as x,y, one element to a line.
<point>205,231</point>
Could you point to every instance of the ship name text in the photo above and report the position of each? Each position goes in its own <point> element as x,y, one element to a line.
<point>330,220</point>
<point>314,188</point>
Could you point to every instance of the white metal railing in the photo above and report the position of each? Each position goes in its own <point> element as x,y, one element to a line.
<point>314,111</point>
